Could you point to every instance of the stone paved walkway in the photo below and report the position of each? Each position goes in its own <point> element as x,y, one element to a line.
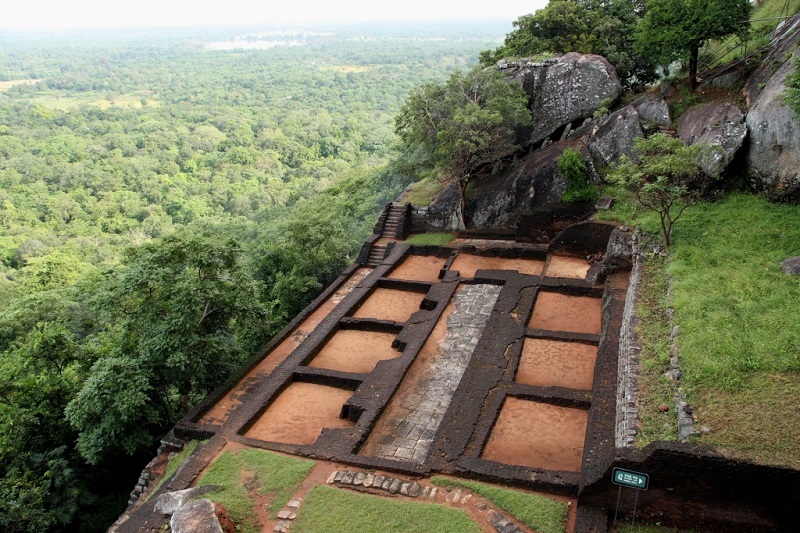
<point>425,406</point>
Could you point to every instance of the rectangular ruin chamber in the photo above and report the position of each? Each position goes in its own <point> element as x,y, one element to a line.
<point>560,266</point>
<point>554,363</point>
<point>300,413</point>
<point>468,264</point>
<point>355,350</point>
<point>419,268</point>
<point>390,304</point>
<point>565,312</point>
<point>537,435</point>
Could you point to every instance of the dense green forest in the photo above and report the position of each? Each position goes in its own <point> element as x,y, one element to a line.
<point>168,200</point>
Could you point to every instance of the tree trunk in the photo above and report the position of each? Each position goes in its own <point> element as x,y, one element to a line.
<point>462,190</point>
<point>693,58</point>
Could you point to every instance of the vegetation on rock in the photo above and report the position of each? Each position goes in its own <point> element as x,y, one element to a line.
<point>599,27</point>
<point>667,179</point>
<point>463,126</point>
<point>674,30</point>
<point>572,167</point>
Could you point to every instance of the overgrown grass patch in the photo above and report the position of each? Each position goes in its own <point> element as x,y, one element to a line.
<point>431,239</point>
<point>175,462</point>
<point>655,389</point>
<point>737,310</point>
<point>537,512</point>
<point>424,191</point>
<point>326,510</point>
<point>272,475</point>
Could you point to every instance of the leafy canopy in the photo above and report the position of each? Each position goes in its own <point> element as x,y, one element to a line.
<point>572,167</point>
<point>666,181</point>
<point>674,30</point>
<point>604,27</point>
<point>464,125</point>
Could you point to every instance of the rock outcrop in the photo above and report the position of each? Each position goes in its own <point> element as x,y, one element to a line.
<point>653,111</point>
<point>719,125</point>
<point>613,138</point>
<point>497,202</point>
<point>773,156</point>
<point>565,91</point>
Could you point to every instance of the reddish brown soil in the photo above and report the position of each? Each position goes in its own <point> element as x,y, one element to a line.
<point>300,413</point>
<point>390,304</point>
<point>538,435</point>
<point>468,264</point>
<point>394,411</point>
<point>566,267</point>
<point>549,363</point>
<point>419,268</point>
<point>357,351</point>
<point>559,312</point>
<point>219,413</point>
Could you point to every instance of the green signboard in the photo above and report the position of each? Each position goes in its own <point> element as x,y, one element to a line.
<point>628,478</point>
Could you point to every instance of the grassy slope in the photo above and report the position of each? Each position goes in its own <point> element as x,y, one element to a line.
<point>538,512</point>
<point>327,510</point>
<point>275,475</point>
<point>740,333</point>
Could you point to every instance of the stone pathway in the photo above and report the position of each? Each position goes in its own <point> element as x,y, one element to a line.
<point>420,413</point>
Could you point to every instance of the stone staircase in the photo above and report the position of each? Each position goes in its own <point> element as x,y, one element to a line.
<point>394,224</point>
<point>376,254</point>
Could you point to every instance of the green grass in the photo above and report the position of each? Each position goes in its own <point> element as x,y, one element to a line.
<point>423,192</point>
<point>740,336</point>
<point>537,512</point>
<point>760,31</point>
<point>326,510</point>
<point>432,239</point>
<point>654,388</point>
<point>175,462</point>
<point>269,474</point>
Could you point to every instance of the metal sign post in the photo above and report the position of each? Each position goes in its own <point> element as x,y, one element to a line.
<point>631,479</point>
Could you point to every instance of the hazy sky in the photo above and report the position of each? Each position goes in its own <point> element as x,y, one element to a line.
<point>60,14</point>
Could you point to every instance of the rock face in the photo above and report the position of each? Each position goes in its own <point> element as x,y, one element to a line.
<point>773,156</point>
<point>195,517</point>
<point>567,90</point>
<point>169,502</point>
<point>719,125</point>
<point>614,137</point>
<point>496,202</point>
<point>653,109</point>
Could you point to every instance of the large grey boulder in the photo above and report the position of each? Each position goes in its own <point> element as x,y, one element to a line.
<point>719,125</point>
<point>773,156</point>
<point>567,90</point>
<point>169,502</point>
<point>653,110</point>
<point>614,137</point>
<point>198,516</point>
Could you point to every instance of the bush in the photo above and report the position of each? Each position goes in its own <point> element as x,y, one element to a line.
<point>573,168</point>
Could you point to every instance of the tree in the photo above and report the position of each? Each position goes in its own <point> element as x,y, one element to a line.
<point>572,167</point>
<point>667,180</point>
<point>674,30</point>
<point>178,310</point>
<point>604,27</point>
<point>463,126</point>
